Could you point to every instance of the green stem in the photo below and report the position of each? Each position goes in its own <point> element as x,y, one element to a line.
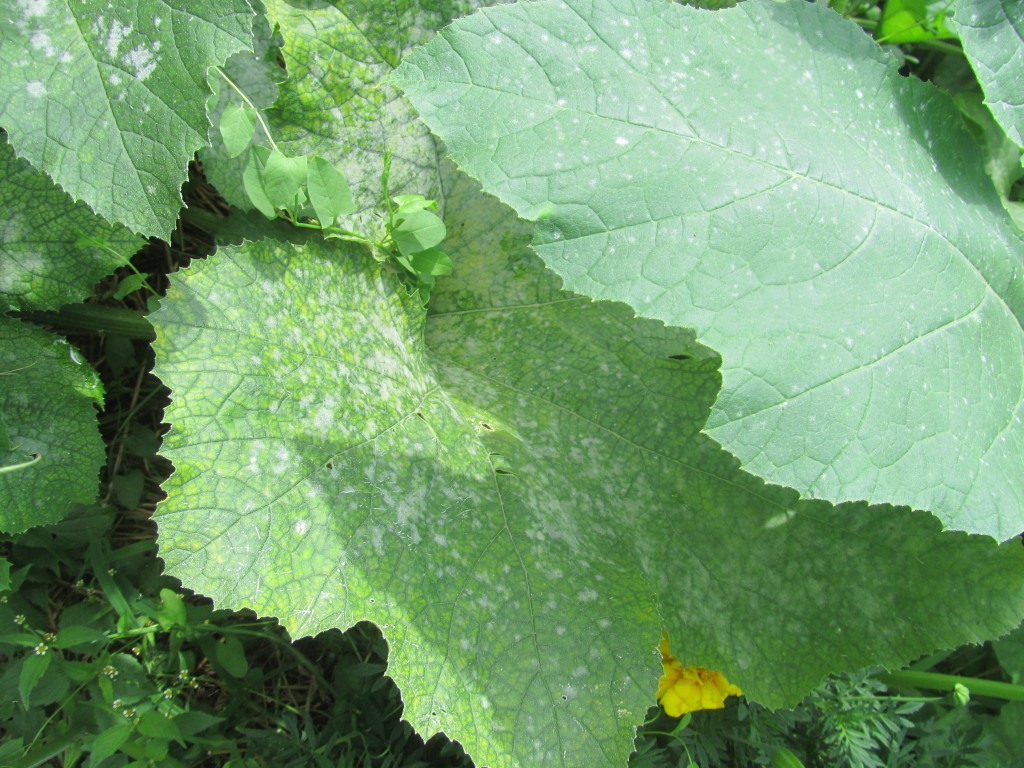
<point>95,242</point>
<point>940,45</point>
<point>252,106</point>
<point>338,232</point>
<point>48,751</point>
<point>349,238</point>
<point>384,178</point>
<point>940,682</point>
<point>23,465</point>
<point>96,318</point>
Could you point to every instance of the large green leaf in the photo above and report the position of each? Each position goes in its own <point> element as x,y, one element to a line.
<point>521,499</point>
<point>52,251</point>
<point>992,33</point>
<point>821,221</point>
<point>48,401</point>
<point>109,98</point>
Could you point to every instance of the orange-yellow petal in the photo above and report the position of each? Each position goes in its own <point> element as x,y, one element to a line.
<point>671,673</point>
<point>684,695</point>
<point>688,689</point>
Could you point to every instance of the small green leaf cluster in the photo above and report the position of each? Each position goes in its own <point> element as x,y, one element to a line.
<point>276,183</point>
<point>309,191</point>
<point>413,232</point>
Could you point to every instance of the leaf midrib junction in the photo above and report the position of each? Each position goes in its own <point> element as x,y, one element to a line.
<point>640,449</point>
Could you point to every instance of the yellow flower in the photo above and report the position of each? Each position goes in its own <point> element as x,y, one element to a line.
<point>688,689</point>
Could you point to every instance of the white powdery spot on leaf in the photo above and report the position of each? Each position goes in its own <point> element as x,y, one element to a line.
<point>115,35</point>
<point>33,8</point>
<point>41,42</point>
<point>142,60</point>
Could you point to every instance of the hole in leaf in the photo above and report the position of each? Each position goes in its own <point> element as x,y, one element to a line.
<point>485,426</point>
<point>329,465</point>
<point>504,472</point>
<point>678,357</point>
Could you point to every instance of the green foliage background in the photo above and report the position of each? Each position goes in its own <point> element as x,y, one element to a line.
<point>514,484</point>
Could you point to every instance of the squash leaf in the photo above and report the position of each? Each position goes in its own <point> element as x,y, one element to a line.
<point>108,99</point>
<point>51,450</point>
<point>821,221</point>
<point>992,33</point>
<point>52,251</point>
<point>519,495</point>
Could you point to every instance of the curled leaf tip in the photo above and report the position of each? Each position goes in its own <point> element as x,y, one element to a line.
<point>689,689</point>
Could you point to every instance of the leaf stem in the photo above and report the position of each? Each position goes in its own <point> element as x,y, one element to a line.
<point>344,234</point>
<point>940,682</point>
<point>14,467</point>
<point>940,45</point>
<point>96,318</point>
<point>384,177</point>
<point>85,240</point>
<point>252,106</point>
